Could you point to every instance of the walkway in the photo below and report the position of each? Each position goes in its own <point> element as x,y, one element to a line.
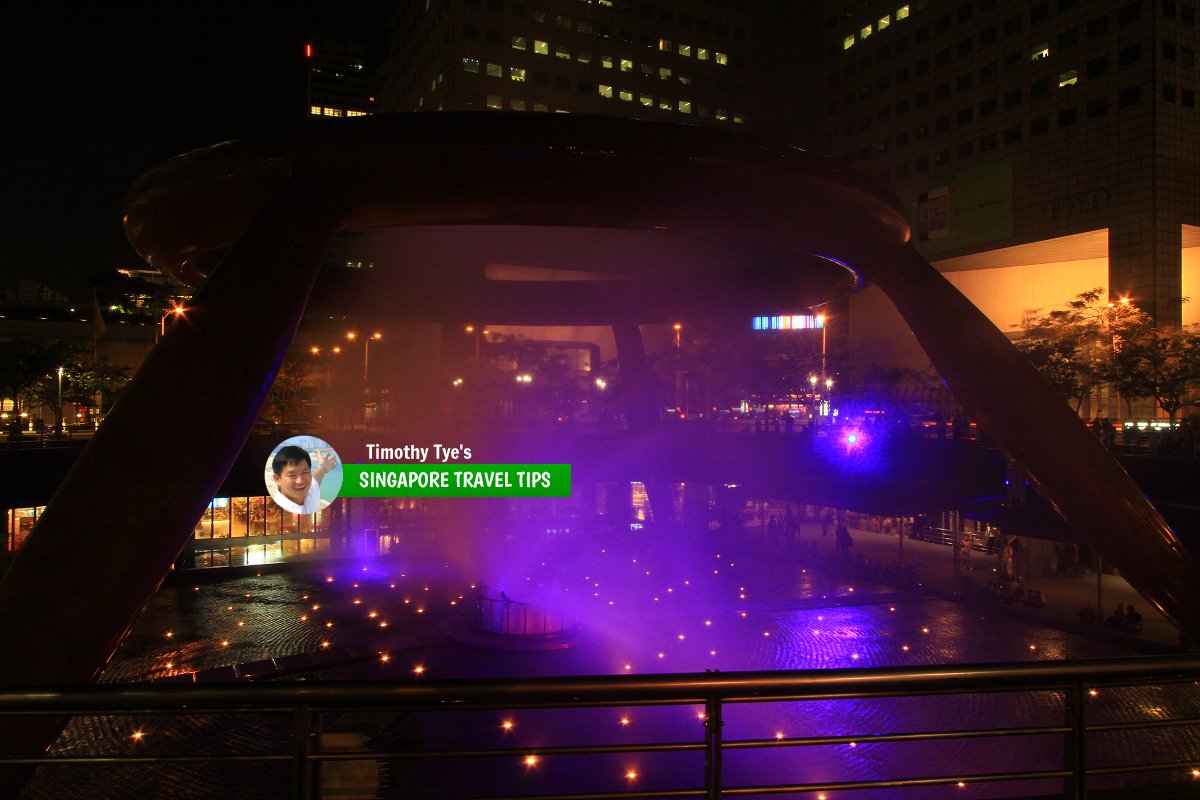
<point>934,571</point>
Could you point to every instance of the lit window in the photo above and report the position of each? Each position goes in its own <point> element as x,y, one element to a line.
<point>517,74</point>
<point>702,53</point>
<point>356,113</point>
<point>666,45</point>
<point>494,101</point>
<point>470,65</point>
<point>884,21</point>
<point>664,73</point>
<point>720,115</point>
<point>626,65</point>
<point>738,119</point>
<point>540,107</point>
<point>518,43</point>
<point>540,47</point>
<point>1068,78</point>
<point>664,104</point>
<point>583,57</point>
<point>626,95</point>
<point>646,100</point>
<point>685,106</point>
<point>516,105</point>
<point>605,90</point>
<point>1040,52</point>
<point>901,13</point>
<point>607,3</point>
<point>684,79</point>
<point>331,112</point>
<point>685,50</point>
<point>647,69</point>
<point>315,110</point>
<point>721,58</point>
<point>848,42</point>
<point>606,62</point>
<point>865,32</point>
<point>562,52</point>
<point>495,70</point>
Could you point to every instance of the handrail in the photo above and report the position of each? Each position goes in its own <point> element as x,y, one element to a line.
<point>602,689</point>
<point>308,702</point>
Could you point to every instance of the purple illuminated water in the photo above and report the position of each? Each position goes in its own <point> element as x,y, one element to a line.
<point>646,604</point>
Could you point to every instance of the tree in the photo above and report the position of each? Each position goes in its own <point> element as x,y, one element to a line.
<point>25,362</point>
<point>285,392</point>
<point>1163,363</point>
<point>1073,347</point>
<point>900,390</point>
<point>84,380</point>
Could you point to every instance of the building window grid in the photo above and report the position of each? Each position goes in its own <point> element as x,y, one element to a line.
<point>541,47</point>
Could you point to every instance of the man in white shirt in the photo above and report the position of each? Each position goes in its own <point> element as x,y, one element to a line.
<point>297,485</point>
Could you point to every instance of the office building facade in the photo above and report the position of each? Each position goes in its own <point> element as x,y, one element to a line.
<point>1043,147</point>
<point>675,61</point>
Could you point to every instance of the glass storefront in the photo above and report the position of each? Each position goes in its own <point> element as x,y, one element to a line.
<point>225,535</point>
<point>18,525</point>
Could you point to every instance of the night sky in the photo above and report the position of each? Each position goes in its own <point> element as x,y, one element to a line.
<point>96,96</point>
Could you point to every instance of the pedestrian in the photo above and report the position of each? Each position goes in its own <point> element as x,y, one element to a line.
<point>1133,620</point>
<point>844,540</point>
<point>1116,621</point>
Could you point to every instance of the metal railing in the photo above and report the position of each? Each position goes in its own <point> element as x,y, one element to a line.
<point>309,706</point>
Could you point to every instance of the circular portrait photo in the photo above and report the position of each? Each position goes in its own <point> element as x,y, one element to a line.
<point>303,474</point>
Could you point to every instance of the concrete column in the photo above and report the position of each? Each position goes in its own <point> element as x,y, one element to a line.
<point>1145,264</point>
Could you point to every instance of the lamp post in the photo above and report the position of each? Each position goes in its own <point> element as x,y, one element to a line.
<point>58,423</point>
<point>821,324</point>
<point>162,322</point>
<point>828,395</point>
<point>678,330</point>
<point>374,337</point>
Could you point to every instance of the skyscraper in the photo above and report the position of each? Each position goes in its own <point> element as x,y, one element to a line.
<point>677,61</point>
<point>1043,147</point>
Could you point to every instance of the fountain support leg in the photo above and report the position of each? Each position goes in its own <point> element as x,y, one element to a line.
<point>130,502</point>
<point>1037,430</point>
<point>641,415</point>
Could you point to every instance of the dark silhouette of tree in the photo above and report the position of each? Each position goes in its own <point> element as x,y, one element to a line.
<point>1162,362</point>
<point>24,362</point>
<point>1074,347</point>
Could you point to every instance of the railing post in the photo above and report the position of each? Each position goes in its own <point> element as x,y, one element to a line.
<point>712,748</point>
<point>1075,747</point>
<point>301,733</point>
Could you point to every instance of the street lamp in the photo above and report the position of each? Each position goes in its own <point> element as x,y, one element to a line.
<point>678,331</point>
<point>471,330</point>
<point>821,325</point>
<point>366,351</point>
<point>58,425</point>
<point>175,309</point>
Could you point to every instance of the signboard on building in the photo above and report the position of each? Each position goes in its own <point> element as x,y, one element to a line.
<point>962,209</point>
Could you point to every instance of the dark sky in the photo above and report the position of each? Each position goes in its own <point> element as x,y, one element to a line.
<point>94,97</point>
